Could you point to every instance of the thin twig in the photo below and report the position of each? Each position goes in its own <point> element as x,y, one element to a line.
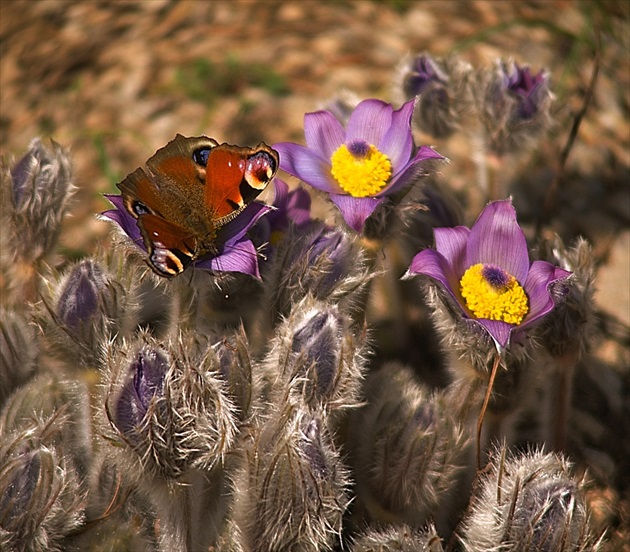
<point>550,197</point>
<point>484,407</point>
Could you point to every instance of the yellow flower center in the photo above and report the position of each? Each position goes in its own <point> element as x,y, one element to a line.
<point>490,292</point>
<point>360,168</point>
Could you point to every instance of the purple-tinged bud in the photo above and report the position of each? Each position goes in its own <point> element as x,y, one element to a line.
<point>408,448</point>
<point>40,189</point>
<point>316,357</point>
<point>84,309</point>
<point>42,498</point>
<point>324,262</point>
<point>514,106</point>
<point>398,537</point>
<point>167,404</point>
<point>293,489</point>
<point>442,91</point>
<point>18,353</point>
<point>66,403</point>
<point>529,502</point>
<point>142,392</point>
<point>85,296</point>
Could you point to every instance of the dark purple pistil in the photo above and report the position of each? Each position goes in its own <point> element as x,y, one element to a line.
<point>359,148</point>
<point>495,276</point>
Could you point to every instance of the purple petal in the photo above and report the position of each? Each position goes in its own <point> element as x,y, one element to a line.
<point>499,330</point>
<point>424,153</point>
<point>397,143</point>
<point>323,133</point>
<point>280,193</point>
<point>299,206</point>
<point>235,230</point>
<point>308,166</point>
<point>238,257</point>
<point>369,121</point>
<point>541,275</point>
<point>355,210</point>
<point>433,264</point>
<point>409,172</point>
<point>126,222</point>
<point>496,238</point>
<point>451,244</point>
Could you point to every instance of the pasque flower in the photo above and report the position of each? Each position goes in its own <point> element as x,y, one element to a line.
<point>372,157</point>
<point>487,271</point>
<point>235,252</point>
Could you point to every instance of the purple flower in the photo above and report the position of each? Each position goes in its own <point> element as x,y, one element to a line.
<point>235,252</point>
<point>359,165</point>
<point>487,271</point>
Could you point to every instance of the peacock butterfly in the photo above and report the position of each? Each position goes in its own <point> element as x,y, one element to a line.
<point>190,189</point>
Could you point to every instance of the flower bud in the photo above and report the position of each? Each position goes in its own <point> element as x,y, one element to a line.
<point>292,493</point>
<point>399,537</point>
<point>569,328</point>
<point>41,187</point>
<point>315,356</point>
<point>168,407</point>
<point>84,296</point>
<point>325,262</point>
<point>515,106</point>
<point>442,89</point>
<point>235,369</point>
<point>41,495</point>
<point>18,353</point>
<point>408,449</point>
<point>64,401</point>
<point>89,307</point>
<point>529,502</point>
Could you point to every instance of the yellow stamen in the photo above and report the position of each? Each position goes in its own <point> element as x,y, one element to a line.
<point>363,172</point>
<point>492,293</point>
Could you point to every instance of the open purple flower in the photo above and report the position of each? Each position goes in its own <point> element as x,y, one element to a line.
<point>235,252</point>
<point>361,164</point>
<point>487,271</point>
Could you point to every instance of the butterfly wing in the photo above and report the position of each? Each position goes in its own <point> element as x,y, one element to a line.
<point>235,176</point>
<point>170,247</point>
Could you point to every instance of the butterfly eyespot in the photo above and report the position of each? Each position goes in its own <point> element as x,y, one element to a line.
<point>140,208</point>
<point>200,156</point>
<point>260,168</point>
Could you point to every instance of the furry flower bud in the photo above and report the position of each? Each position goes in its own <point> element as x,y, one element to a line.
<point>515,106</point>
<point>315,356</point>
<point>529,503</point>
<point>18,352</point>
<point>235,368</point>
<point>442,89</point>
<point>89,306</point>
<point>40,189</point>
<point>326,262</point>
<point>169,407</point>
<point>569,328</point>
<point>292,492</point>
<point>408,449</point>
<point>41,494</point>
<point>399,537</point>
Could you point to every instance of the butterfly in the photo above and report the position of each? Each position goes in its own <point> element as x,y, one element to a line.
<point>191,188</point>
